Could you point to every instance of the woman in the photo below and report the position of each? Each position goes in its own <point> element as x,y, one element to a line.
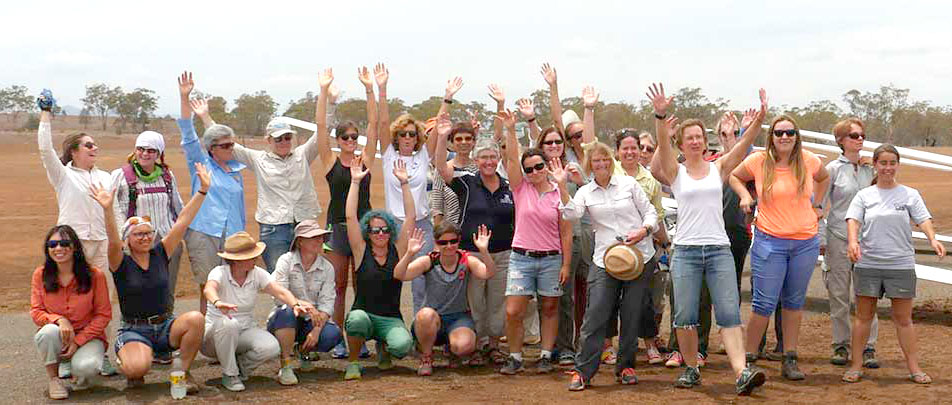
<point>230,333</point>
<point>376,310</point>
<point>445,318</point>
<point>336,170</point>
<point>444,202</point>
<point>702,249</point>
<point>306,272</point>
<point>848,175</point>
<point>69,302</point>
<point>71,174</point>
<point>224,214</point>
<point>790,183</point>
<point>541,251</point>
<point>885,259</point>
<point>142,283</point>
<point>619,210</point>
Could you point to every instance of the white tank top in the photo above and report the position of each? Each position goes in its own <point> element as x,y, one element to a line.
<point>700,208</point>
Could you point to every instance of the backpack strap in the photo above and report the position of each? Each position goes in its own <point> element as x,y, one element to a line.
<point>167,177</point>
<point>132,180</point>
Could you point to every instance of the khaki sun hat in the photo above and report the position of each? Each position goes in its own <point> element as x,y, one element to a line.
<point>241,246</point>
<point>623,262</point>
<point>308,228</point>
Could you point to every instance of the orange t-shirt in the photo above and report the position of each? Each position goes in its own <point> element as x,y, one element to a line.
<point>785,213</point>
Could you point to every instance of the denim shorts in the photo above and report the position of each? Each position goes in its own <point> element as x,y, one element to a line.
<point>534,275</point>
<point>338,241</point>
<point>155,336</point>
<point>889,283</point>
<point>449,323</point>
<point>690,266</point>
<point>780,271</point>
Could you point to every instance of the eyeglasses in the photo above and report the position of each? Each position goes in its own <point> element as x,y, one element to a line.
<point>283,138</point>
<point>444,242</point>
<point>348,137</point>
<point>143,235</point>
<point>790,133</point>
<point>647,148</point>
<point>554,141</point>
<point>226,145</point>
<point>150,151</point>
<point>856,135</point>
<point>65,243</point>
<point>575,135</point>
<point>530,169</point>
<point>407,134</point>
<point>89,145</point>
<point>463,139</point>
<point>725,134</point>
<point>378,230</point>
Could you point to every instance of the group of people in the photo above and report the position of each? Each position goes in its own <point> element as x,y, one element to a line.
<point>569,222</point>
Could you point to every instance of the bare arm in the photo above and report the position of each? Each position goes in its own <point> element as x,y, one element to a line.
<point>565,236</point>
<point>409,268</point>
<point>738,182</point>
<point>555,103</point>
<point>325,79</point>
<point>370,149</point>
<point>103,196</point>
<point>354,234</point>
<point>409,206</point>
<point>527,110</point>
<point>929,230</point>
<point>664,164</point>
<point>443,128</point>
<point>186,85</point>
<point>452,86</point>
<point>729,162</point>
<point>382,75</point>
<point>512,150</point>
<point>177,232</point>
<point>497,94</point>
<point>590,98</point>
<point>853,250</point>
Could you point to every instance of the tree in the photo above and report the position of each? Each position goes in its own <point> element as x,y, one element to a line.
<point>136,107</point>
<point>252,112</point>
<point>84,118</point>
<point>16,100</point>
<point>102,99</point>
<point>690,102</point>
<point>878,109</point>
<point>817,116</point>
<point>303,108</point>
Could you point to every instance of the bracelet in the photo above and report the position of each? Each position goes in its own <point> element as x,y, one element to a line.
<point>531,119</point>
<point>660,117</point>
<point>215,302</point>
<point>403,183</point>
<point>448,100</point>
<point>202,192</point>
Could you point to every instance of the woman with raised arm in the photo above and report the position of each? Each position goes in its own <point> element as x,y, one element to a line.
<point>445,318</point>
<point>885,258</point>
<point>69,302</point>
<point>335,168</point>
<point>572,132</point>
<point>541,250</point>
<point>791,183</point>
<point>701,247</point>
<point>376,310</point>
<point>444,202</point>
<point>224,214</point>
<point>142,283</point>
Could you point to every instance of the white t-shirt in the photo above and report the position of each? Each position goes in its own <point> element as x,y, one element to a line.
<point>244,295</point>
<point>886,236</point>
<point>418,165</point>
<point>700,209</point>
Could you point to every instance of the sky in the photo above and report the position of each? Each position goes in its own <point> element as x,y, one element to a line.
<point>800,51</point>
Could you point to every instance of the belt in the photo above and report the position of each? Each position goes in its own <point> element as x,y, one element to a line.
<point>152,320</point>
<point>535,253</point>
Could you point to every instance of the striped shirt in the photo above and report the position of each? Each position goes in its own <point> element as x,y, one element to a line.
<point>443,201</point>
<point>153,205</point>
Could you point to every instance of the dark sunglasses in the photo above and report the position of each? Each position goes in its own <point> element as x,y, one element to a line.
<point>444,242</point>
<point>66,243</point>
<point>575,135</point>
<point>647,148</point>
<point>530,169</point>
<point>856,135</point>
<point>407,134</point>
<point>226,145</point>
<point>463,139</point>
<point>556,142</point>
<point>736,133</point>
<point>377,230</point>
<point>141,149</point>
<point>89,145</point>
<point>283,138</point>
<point>348,137</point>
<point>790,133</point>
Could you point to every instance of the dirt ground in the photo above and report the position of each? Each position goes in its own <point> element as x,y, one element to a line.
<point>29,209</point>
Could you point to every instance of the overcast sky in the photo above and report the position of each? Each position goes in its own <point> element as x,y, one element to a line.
<point>799,50</point>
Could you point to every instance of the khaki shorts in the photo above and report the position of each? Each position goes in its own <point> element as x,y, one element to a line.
<point>202,254</point>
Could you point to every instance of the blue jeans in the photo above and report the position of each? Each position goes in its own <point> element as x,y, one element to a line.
<point>780,269</point>
<point>277,239</point>
<point>283,318</point>
<point>534,275</point>
<point>692,265</point>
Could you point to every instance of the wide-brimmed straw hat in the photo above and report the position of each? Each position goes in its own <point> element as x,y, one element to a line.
<point>241,246</point>
<point>623,262</point>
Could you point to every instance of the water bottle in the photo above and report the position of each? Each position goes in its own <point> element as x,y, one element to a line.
<point>177,379</point>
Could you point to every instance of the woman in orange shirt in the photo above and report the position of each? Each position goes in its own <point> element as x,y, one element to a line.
<point>69,301</point>
<point>786,244</point>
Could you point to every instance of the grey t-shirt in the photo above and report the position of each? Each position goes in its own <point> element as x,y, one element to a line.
<point>886,236</point>
<point>446,292</point>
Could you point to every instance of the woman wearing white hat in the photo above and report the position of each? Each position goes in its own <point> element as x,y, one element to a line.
<point>231,291</point>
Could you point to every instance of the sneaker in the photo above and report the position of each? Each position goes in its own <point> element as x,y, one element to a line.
<point>107,369</point>
<point>286,376</point>
<point>160,358</point>
<point>609,356</point>
<point>689,378</point>
<point>65,369</point>
<point>869,358</point>
<point>426,365</point>
<point>384,361</point>
<point>512,366</point>
<point>789,368</point>
<point>133,383</point>
<point>232,383</point>
<point>566,358</point>
<point>654,356</point>
<point>627,377</point>
<point>841,356</point>
<point>58,389</point>
<point>674,360</point>
<point>752,377</point>
<point>364,352</point>
<point>701,360</point>
<point>544,365</point>
<point>577,383</point>
<point>352,372</point>
<point>339,351</point>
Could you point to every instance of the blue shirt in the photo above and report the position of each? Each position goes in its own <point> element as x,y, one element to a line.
<point>223,212</point>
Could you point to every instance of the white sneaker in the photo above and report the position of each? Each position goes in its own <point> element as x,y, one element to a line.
<point>232,383</point>
<point>286,376</point>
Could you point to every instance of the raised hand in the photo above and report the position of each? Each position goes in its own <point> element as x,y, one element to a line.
<point>101,194</point>
<point>203,176</point>
<point>415,243</point>
<point>474,121</point>
<point>507,117</point>
<point>763,102</point>
<point>589,97</point>
<point>185,84</point>
<point>658,100</point>
<point>400,171</point>
<point>325,78</point>
<point>748,118</point>
<point>556,170</point>
<point>526,108</point>
<point>575,174</point>
<point>381,75</point>
<point>452,86</point>
<point>731,118</point>
<point>481,238</point>
<point>496,93</point>
<point>671,123</point>
<point>444,125</point>
<point>548,73</point>
<point>364,75</point>
<point>357,171</point>
<point>199,106</point>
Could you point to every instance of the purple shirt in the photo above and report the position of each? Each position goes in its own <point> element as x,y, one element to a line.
<point>537,218</point>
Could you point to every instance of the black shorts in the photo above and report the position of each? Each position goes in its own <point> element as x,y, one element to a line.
<point>338,241</point>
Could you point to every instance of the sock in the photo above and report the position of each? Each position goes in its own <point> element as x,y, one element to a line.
<point>517,356</point>
<point>285,362</point>
<point>545,354</point>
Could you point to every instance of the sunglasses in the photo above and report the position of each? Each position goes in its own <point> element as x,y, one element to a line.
<point>348,137</point>
<point>407,134</point>
<point>444,242</point>
<point>531,169</point>
<point>736,133</point>
<point>65,243</point>
<point>647,148</point>
<point>790,133</point>
<point>143,235</point>
<point>555,142</point>
<point>226,145</point>
<point>463,139</point>
<point>856,135</point>
<point>89,145</point>
<point>151,151</point>
<point>378,230</point>
<point>283,138</point>
<point>575,135</point>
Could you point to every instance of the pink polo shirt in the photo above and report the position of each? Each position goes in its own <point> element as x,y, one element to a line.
<point>537,218</point>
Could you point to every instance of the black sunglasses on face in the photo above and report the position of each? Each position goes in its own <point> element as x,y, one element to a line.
<point>790,133</point>
<point>66,243</point>
<point>379,230</point>
<point>348,137</point>
<point>555,142</point>
<point>89,145</point>
<point>530,169</point>
<point>463,139</point>
<point>856,135</point>
<point>141,149</point>
<point>647,148</point>
<point>444,242</point>
<point>226,145</point>
<point>283,138</point>
<point>407,134</point>
<point>575,135</point>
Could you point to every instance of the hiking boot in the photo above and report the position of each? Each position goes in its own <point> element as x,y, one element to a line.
<point>689,378</point>
<point>752,377</point>
<point>841,355</point>
<point>627,377</point>
<point>566,358</point>
<point>544,365</point>
<point>789,369</point>
<point>869,358</point>
<point>512,366</point>
<point>286,376</point>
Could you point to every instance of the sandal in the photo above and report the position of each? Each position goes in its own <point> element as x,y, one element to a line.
<point>497,356</point>
<point>920,378</point>
<point>852,376</point>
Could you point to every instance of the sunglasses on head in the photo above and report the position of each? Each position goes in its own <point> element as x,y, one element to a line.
<point>575,135</point>
<point>283,138</point>
<point>856,135</point>
<point>736,133</point>
<point>377,230</point>
<point>226,145</point>
<point>530,169</point>
<point>407,134</point>
<point>444,242</point>
<point>150,151</point>
<point>790,133</point>
<point>66,243</point>
<point>647,148</point>
<point>348,137</point>
<point>89,145</point>
<point>553,142</point>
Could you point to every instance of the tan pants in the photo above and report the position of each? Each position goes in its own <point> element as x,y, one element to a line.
<point>487,298</point>
<point>837,276</point>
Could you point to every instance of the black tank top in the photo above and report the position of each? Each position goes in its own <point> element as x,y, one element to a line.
<point>338,181</point>
<point>377,292</point>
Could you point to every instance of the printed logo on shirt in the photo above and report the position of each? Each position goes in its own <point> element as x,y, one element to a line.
<point>506,199</point>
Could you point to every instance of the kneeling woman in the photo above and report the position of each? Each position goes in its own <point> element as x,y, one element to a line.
<point>142,283</point>
<point>231,290</point>
<point>445,317</point>
<point>69,301</point>
<point>376,310</point>
<point>310,277</point>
